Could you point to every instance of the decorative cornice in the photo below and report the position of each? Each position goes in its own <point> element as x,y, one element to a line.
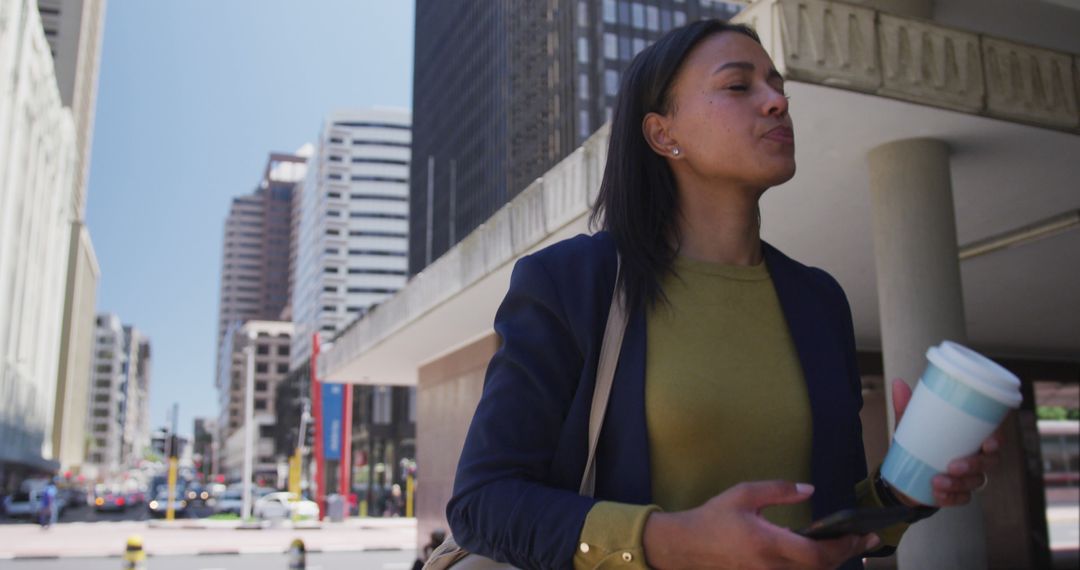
<point>932,64</point>
<point>1030,84</point>
<point>861,49</point>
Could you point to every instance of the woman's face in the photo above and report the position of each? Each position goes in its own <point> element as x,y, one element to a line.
<point>729,115</point>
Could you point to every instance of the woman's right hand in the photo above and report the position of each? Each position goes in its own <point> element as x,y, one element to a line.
<point>728,531</point>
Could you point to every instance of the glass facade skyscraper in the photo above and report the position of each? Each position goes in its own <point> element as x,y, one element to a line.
<point>504,90</point>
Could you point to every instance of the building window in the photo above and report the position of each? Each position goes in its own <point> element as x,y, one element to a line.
<point>680,18</point>
<point>625,49</point>
<point>652,18</point>
<point>412,404</point>
<point>261,367</point>
<point>334,158</point>
<point>583,123</point>
<point>582,14</point>
<point>611,82</point>
<point>639,44</point>
<point>639,16</point>
<point>382,406</point>
<point>262,349</point>
<point>330,270</point>
<point>624,13</point>
<point>261,385</point>
<point>611,46</point>
<point>283,350</point>
<point>260,404</point>
<point>609,11</point>
<point>583,50</point>
<point>283,368</point>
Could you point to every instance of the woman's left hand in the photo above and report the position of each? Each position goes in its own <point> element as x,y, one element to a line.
<point>966,474</point>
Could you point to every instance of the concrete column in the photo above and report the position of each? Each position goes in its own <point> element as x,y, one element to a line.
<point>920,304</point>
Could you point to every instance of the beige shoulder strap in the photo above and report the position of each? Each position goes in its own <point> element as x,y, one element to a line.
<point>605,375</point>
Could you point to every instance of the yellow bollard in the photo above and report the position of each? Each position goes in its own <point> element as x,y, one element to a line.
<point>134,555</point>
<point>363,508</point>
<point>410,489</point>
<point>297,555</point>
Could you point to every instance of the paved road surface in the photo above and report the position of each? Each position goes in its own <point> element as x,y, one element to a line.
<point>389,560</point>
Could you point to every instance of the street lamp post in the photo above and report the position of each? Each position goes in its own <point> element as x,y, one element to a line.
<point>249,421</point>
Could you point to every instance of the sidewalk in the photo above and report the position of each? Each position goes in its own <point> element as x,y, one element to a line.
<point>189,537</point>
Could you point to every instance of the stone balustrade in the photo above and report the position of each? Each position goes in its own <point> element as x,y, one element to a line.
<point>861,49</point>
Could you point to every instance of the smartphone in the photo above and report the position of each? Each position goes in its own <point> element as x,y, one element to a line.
<point>855,521</point>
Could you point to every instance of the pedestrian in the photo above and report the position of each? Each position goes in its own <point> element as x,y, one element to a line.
<point>47,511</point>
<point>734,412</point>
<point>394,501</point>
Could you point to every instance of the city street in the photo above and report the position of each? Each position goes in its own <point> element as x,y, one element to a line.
<point>205,544</point>
<point>378,560</point>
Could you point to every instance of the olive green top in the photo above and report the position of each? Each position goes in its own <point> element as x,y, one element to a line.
<point>725,402</point>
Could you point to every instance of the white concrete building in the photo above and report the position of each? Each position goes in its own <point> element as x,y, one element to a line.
<point>76,352</point>
<point>352,239</point>
<point>136,387</point>
<point>38,166</point>
<point>73,29</point>
<point>108,399</point>
<point>271,341</point>
<point>118,421</point>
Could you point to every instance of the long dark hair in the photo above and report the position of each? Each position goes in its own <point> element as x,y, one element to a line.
<point>638,201</point>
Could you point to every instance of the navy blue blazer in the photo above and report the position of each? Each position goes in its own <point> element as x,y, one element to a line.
<point>515,495</point>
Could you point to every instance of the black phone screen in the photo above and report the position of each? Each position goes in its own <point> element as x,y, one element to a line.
<point>855,521</point>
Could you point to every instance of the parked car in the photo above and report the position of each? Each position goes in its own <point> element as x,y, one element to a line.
<point>233,499</point>
<point>160,504</point>
<point>26,502</point>
<point>232,502</point>
<point>283,505</point>
<point>197,494</point>
<point>110,501</point>
<point>22,504</point>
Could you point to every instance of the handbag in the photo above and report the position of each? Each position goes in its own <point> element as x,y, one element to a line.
<point>451,555</point>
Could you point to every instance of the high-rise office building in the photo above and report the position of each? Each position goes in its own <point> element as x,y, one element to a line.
<point>352,236</point>
<point>119,414</point>
<point>37,170</point>
<point>504,90</point>
<point>256,277</point>
<point>137,394</point>
<point>73,30</point>
<point>255,265</point>
<point>270,342</point>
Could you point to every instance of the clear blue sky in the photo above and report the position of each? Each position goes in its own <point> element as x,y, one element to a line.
<point>192,97</point>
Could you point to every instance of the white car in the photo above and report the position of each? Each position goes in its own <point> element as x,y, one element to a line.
<point>284,505</point>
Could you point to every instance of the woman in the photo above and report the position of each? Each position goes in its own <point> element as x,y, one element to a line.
<point>736,389</point>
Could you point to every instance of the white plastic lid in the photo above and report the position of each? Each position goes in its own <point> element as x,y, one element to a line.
<point>977,371</point>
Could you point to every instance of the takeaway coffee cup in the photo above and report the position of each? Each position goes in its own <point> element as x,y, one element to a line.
<point>961,399</point>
